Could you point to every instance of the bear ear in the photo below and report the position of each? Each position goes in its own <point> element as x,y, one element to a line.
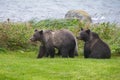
<point>81,29</point>
<point>88,31</point>
<point>35,30</point>
<point>41,32</point>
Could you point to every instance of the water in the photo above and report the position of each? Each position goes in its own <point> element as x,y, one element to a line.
<point>25,10</point>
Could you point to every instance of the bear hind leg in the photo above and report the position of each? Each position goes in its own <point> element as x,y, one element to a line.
<point>95,55</point>
<point>51,52</point>
<point>71,53</point>
<point>64,53</point>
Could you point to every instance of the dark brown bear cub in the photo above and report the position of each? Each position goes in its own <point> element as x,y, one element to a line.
<point>94,47</point>
<point>63,40</point>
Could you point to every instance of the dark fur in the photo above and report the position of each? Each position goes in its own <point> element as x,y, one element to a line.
<point>94,47</point>
<point>63,40</point>
<point>41,51</point>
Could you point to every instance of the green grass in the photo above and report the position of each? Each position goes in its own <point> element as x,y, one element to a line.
<point>24,66</point>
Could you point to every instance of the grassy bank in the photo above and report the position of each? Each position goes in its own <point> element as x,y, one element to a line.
<point>25,66</point>
<point>18,55</point>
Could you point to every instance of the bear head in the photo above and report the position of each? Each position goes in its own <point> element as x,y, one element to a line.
<point>84,35</point>
<point>37,36</point>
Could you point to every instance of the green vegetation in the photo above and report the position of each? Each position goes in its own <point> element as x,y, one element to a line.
<point>18,55</point>
<point>25,66</point>
<point>15,36</point>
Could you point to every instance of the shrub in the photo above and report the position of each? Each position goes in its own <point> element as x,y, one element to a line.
<point>15,35</point>
<point>56,23</point>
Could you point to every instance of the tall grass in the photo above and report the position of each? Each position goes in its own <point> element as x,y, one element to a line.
<point>14,36</point>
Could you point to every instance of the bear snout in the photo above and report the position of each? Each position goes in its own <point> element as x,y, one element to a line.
<point>32,39</point>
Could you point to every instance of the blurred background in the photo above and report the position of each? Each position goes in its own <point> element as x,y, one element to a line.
<point>25,10</point>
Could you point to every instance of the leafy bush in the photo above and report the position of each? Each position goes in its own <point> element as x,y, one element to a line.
<point>15,35</point>
<point>56,23</point>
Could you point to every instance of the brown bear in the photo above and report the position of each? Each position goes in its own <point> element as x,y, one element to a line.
<point>63,40</point>
<point>94,47</point>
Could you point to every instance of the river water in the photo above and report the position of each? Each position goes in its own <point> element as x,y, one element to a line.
<point>25,10</point>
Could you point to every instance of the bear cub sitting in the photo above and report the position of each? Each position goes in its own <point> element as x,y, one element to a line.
<point>63,40</point>
<point>94,47</point>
